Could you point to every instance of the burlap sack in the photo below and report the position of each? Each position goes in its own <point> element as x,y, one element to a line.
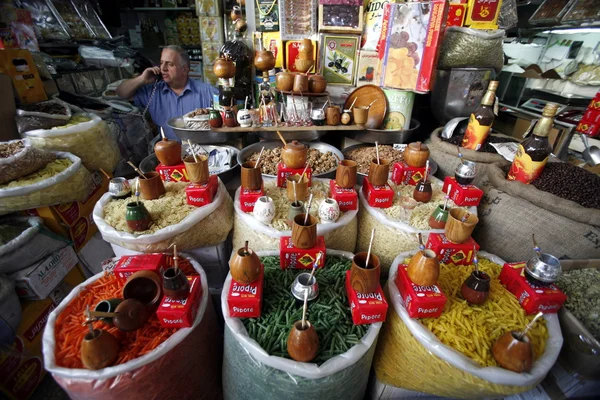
<point>511,211</point>
<point>446,156</point>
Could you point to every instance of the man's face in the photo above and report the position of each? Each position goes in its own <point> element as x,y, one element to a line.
<point>172,69</point>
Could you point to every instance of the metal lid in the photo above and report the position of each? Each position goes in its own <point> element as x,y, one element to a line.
<point>418,146</point>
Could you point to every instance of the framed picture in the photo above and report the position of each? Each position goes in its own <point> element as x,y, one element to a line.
<point>339,58</point>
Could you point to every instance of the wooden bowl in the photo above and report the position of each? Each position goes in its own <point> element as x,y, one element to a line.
<point>317,84</point>
<point>294,154</point>
<point>416,154</point>
<point>304,65</point>
<point>424,268</point>
<point>99,349</point>
<point>144,286</point>
<point>284,81</point>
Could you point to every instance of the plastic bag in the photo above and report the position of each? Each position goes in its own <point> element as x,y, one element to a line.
<point>33,244</point>
<point>391,236</point>
<point>51,113</point>
<point>508,17</point>
<point>339,235</point>
<point>91,141</point>
<point>475,48</point>
<point>441,370</point>
<point>250,373</point>
<point>24,162</point>
<point>205,226</point>
<point>72,184</point>
<point>184,366</point>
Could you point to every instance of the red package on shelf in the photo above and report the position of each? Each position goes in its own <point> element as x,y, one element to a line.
<point>173,313</point>
<point>366,308</point>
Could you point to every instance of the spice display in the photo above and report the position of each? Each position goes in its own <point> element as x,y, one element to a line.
<point>550,11</point>
<point>74,21</point>
<point>329,312</point>
<point>473,330</point>
<point>319,162</point>
<point>197,119</point>
<point>582,286</point>
<point>51,169</point>
<point>18,159</point>
<point>48,24</point>
<point>364,155</point>
<point>582,11</point>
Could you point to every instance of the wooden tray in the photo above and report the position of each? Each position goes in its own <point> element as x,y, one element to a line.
<point>365,95</point>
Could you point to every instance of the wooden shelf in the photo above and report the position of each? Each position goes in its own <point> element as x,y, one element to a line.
<point>325,128</point>
<point>159,9</point>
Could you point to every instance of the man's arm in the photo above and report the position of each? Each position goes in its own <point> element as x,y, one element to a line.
<point>127,89</point>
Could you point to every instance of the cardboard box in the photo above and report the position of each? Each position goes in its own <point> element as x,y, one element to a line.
<point>199,195</point>
<point>249,197</point>
<point>366,308</point>
<point>409,64</point>
<point>592,116</point>
<point>378,196</point>
<point>533,298</point>
<point>339,58</point>
<point>74,220</point>
<point>368,68</point>
<point>174,313</point>
<point>419,301</point>
<point>37,281</point>
<point>272,41</point>
<point>129,265</point>
<point>294,258</point>
<point>403,174</point>
<point>347,198</point>
<point>469,195</point>
<point>283,172</point>
<point>19,65</point>
<point>483,14</point>
<point>245,301</point>
<point>292,48</point>
<point>456,14</point>
<point>173,173</point>
<point>448,252</point>
<point>588,128</point>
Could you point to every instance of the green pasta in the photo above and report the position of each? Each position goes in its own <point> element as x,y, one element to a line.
<point>329,312</point>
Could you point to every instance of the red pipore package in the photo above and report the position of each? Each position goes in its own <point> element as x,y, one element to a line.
<point>378,196</point>
<point>249,197</point>
<point>533,298</point>
<point>448,252</point>
<point>366,308</point>
<point>199,195</point>
<point>245,300</point>
<point>347,198</point>
<point>469,195</point>
<point>173,173</point>
<point>404,174</point>
<point>283,172</point>
<point>174,313</point>
<point>129,265</point>
<point>419,301</point>
<point>294,258</point>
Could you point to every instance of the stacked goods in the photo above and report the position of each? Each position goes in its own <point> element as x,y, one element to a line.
<point>86,136</point>
<point>452,355</point>
<point>562,199</point>
<point>173,221</point>
<point>153,354</point>
<point>60,181</point>
<point>340,235</point>
<point>256,351</point>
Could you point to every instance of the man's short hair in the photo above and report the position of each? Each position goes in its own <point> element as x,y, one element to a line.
<point>185,57</point>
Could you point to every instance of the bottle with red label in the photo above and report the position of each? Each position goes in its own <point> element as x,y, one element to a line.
<point>481,120</point>
<point>533,152</point>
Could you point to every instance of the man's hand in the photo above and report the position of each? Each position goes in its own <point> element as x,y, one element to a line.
<point>150,74</point>
<point>127,89</point>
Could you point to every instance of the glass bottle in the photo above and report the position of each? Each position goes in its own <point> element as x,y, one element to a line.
<point>481,120</point>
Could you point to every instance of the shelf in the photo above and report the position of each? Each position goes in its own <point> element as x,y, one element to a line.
<point>556,29</point>
<point>159,9</point>
<point>325,128</point>
<point>300,94</point>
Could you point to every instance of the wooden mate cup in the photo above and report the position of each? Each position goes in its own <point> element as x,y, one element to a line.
<point>345,175</point>
<point>365,278</point>
<point>457,230</point>
<point>197,171</point>
<point>379,172</point>
<point>251,176</point>
<point>304,236</point>
<point>151,187</point>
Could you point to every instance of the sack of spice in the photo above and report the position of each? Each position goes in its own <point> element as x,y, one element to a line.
<point>561,207</point>
<point>61,181</point>
<point>19,158</point>
<point>473,48</point>
<point>339,235</point>
<point>451,356</point>
<point>246,361</point>
<point>397,229</point>
<point>445,153</point>
<point>44,115</point>
<point>167,371</point>
<point>24,241</point>
<point>84,135</point>
<point>174,221</point>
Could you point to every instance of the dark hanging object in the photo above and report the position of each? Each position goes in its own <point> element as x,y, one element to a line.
<point>238,51</point>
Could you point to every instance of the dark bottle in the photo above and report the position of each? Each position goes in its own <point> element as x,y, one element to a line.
<point>533,152</point>
<point>480,122</point>
<point>238,51</point>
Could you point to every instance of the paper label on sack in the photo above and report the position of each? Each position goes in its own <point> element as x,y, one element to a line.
<point>506,150</point>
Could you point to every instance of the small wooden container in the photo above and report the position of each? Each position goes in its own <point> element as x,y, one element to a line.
<point>245,266</point>
<point>301,82</point>
<point>99,349</point>
<point>360,114</point>
<point>304,236</point>
<point>424,268</point>
<point>423,191</point>
<point>152,187</point>
<point>365,278</point>
<point>303,342</point>
<point>476,289</point>
<point>416,154</point>
<point>345,175</point>
<point>131,315</point>
<point>175,284</point>
<point>197,171</point>
<point>379,172</point>
<point>513,354</point>
<point>168,152</point>
<point>294,154</point>
<point>332,115</point>
<point>317,84</point>
<point>301,187</point>
<point>144,286</point>
<point>457,231</point>
<point>284,81</point>
<point>251,176</point>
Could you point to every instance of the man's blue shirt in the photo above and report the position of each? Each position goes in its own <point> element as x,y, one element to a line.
<point>166,104</point>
